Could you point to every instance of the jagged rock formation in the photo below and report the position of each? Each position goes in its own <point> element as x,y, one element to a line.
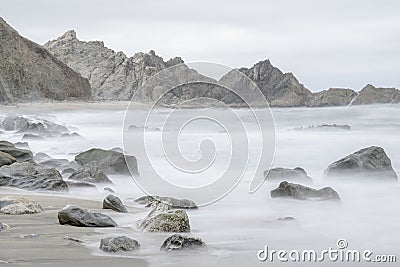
<point>28,72</point>
<point>331,97</point>
<point>373,95</point>
<point>112,75</point>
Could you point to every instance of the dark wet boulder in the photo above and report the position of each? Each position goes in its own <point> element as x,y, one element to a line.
<point>17,153</point>
<point>173,203</point>
<point>179,242</point>
<point>300,192</point>
<point>112,162</point>
<point>370,162</point>
<point>16,205</point>
<point>76,216</point>
<point>90,172</point>
<point>114,203</point>
<point>285,174</point>
<point>31,176</point>
<point>6,159</point>
<point>118,243</point>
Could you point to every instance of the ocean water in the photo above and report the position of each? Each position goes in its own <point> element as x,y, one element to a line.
<point>236,227</point>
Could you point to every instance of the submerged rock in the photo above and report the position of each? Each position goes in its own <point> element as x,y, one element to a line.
<point>324,127</point>
<point>112,162</point>
<point>173,203</point>
<point>16,205</point>
<point>76,216</point>
<point>114,203</point>
<point>370,162</point>
<point>109,189</point>
<point>286,219</point>
<point>90,172</point>
<point>118,243</point>
<point>300,192</point>
<point>284,174</point>
<point>179,242</point>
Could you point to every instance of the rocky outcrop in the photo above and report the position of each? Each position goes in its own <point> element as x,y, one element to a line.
<point>171,202</point>
<point>16,205</point>
<point>114,203</point>
<point>111,74</point>
<point>180,242</point>
<point>373,95</point>
<point>370,162</point>
<point>28,72</point>
<point>118,243</point>
<point>300,192</point>
<point>331,97</point>
<point>77,216</point>
<point>112,162</point>
<point>90,172</point>
<point>285,174</point>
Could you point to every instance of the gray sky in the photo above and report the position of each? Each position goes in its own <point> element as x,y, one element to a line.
<point>336,43</point>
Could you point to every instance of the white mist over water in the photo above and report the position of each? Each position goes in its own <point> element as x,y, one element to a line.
<point>239,225</point>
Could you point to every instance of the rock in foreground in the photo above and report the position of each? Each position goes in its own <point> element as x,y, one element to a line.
<point>118,243</point>
<point>300,192</point>
<point>179,242</point>
<point>161,219</point>
<point>114,203</point>
<point>284,174</point>
<point>370,162</point>
<point>77,216</point>
<point>16,205</point>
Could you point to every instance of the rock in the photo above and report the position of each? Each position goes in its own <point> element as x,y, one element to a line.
<point>16,205</point>
<point>373,95</point>
<point>4,227</point>
<point>29,136</point>
<point>118,243</point>
<point>31,176</point>
<point>370,162</point>
<point>179,242</point>
<point>17,153</point>
<point>77,216</point>
<point>173,203</point>
<point>110,161</point>
<point>28,236</point>
<point>286,219</point>
<point>300,192</point>
<point>90,172</point>
<point>28,72</point>
<point>6,159</point>
<point>109,189</point>
<point>114,203</point>
<point>73,239</point>
<point>55,163</point>
<point>331,97</point>
<point>84,185</point>
<point>161,219</point>
<point>40,157</point>
<point>324,127</point>
<point>112,75</point>
<point>22,145</point>
<point>284,174</point>
<point>68,171</point>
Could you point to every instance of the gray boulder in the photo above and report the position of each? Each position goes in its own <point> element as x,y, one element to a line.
<point>300,192</point>
<point>173,203</point>
<point>370,162</point>
<point>284,174</point>
<point>118,243</point>
<point>6,159</point>
<point>114,203</point>
<point>16,205</point>
<point>31,176</point>
<point>77,216</point>
<point>90,172</point>
<point>17,153</point>
<point>179,242</point>
<point>112,162</point>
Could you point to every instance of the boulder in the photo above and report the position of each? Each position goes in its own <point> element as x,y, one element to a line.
<point>109,189</point>
<point>118,243</point>
<point>17,153</point>
<point>162,219</point>
<point>76,216</point>
<point>31,176</point>
<point>179,242</point>
<point>82,185</point>
<point>55,163</point>
<point>300,192</point>
<point>173,203</point>
<point>40,157</point>
<point>22,145</point>
<point>90,172</point>
<point>112,162</point>
<point>284,174</point>
<point>6,159</point>
<point>16,205</point>
<point>370,162</point>
<point>114,203</point>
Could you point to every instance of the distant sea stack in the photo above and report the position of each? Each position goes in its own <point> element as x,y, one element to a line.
<point>373,95</point>
<point>28,72</point>
<point>112,75</point>
<point>331,97</point>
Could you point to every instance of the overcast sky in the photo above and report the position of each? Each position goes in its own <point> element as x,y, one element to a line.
<point>335,43</point>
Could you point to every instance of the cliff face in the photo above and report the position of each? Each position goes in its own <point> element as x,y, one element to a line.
<point>28,72</point>
<point>373,95</point>
<point>331,97</point>
<point>112,75</point>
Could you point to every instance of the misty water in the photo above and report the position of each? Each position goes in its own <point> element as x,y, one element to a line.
<point>240,224</point>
